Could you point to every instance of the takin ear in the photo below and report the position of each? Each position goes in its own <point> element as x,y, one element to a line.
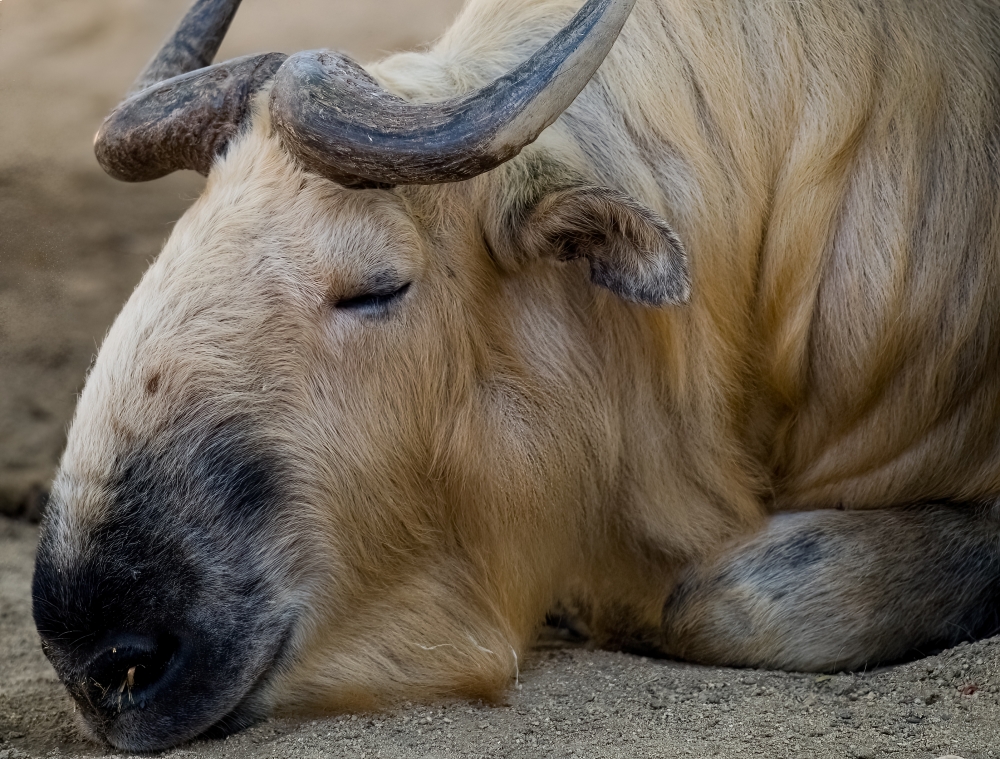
<point>632,252</point>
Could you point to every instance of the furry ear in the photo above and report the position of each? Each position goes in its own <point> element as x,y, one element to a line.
<point>632,252</point>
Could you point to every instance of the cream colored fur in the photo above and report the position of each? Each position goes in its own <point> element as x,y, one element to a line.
<point>516,437</point>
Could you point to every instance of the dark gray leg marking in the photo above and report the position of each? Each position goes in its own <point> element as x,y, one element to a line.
<point>830,590</point>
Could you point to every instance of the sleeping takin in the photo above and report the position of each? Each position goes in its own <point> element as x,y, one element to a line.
<point>693,335</point>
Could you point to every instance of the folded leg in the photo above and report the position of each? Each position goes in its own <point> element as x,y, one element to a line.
<point>830,590</point>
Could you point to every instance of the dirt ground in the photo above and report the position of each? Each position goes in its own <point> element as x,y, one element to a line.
<point>73,243</point>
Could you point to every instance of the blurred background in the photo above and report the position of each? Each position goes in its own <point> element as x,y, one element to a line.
<point>73,242</point>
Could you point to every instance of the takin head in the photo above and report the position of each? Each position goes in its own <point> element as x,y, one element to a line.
<point>267,493</point>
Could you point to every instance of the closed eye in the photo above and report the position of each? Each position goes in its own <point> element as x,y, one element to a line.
<point>374,303</point>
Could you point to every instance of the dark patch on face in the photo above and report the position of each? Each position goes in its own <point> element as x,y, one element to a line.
<point>222,471</point>
<point>165,584</point>
<point>153,384</point>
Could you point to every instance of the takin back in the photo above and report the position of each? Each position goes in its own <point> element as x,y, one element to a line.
<point>693,337</point>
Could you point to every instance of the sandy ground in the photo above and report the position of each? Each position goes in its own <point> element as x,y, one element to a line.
<point>73,243</point>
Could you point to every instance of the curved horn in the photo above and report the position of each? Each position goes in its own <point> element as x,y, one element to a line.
<point>339,123</point>
<point>192,45</point>
<point>181,112</point>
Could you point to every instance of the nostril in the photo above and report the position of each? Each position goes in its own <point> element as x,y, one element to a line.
<point>128,669</point>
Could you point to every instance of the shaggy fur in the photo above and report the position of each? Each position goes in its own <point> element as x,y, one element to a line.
<point>505,436</point>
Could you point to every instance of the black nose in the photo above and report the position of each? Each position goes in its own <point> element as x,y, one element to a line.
<point>128,671</point>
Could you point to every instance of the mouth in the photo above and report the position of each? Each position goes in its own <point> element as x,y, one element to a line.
<point>138,722</point>
<point>253,707</point>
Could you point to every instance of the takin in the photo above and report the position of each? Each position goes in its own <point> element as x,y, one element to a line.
<point>692,336</point>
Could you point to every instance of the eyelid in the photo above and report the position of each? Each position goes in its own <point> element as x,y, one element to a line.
<point>374,299</point>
